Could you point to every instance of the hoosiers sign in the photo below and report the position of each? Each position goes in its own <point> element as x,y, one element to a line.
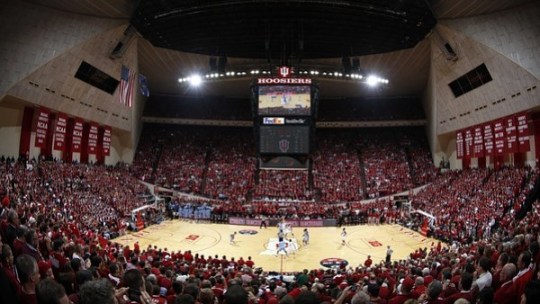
<point>283,81</point>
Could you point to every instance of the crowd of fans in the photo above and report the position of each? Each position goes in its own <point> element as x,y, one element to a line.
<point>336,171</point>
<point>58,222</point>
<point>231,168</point>
<point>385,165</point>
<point>280,184</point>
<point>346,166</point>
<point>73,262</point>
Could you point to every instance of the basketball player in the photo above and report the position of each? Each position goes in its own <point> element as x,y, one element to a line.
<point>231,239</point>
<point>292,247</point>
<point>280,235</point>
<point>343,236</point>
<point>305,237</point>
<point>282,225</point>
<point>282,246</point>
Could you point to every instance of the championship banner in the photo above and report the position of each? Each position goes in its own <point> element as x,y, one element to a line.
<point>60,132</point>
<point>41,127</point>
<point>468,144</point>
<point>488,139</point>
<point>523,132</point>
<point>500,139</point>
<point>92,138</point>
<point>511,135</point>
<point>459,144</point>
<point>478,142</point>
<point>106,140</point>
<point>77,135</point>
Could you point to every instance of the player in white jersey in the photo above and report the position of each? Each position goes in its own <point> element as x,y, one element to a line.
<point>231,238</point>
<point>292,247</point>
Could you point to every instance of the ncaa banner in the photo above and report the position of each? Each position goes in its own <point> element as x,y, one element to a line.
<point>478,142</point>
<point>500,139</point>
<point>60,132</point>
<point>77,135</point>
<point>41,127</point>
<point>488,139</point>
<point>106,140</point>
<point>468,144</point>
<point>459,144</point>
<point>93,138</point>
<point>511,134</point>
<point>523,132</point>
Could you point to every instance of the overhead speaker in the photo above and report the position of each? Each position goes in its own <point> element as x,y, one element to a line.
<point>346,63</point>
<point>123,43</point>
<point>445,47</point>
<point>355,64</point>
<point>213,64</point>
<point>222,63</point>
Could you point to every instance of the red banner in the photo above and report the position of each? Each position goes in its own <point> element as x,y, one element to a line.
<point>60,132</point>
<point>488,139</point>
<point>41,127</point>
<point>468,144</point>
<point>523,132</point>
<point>77,135</point>
<point>511,134</point>
<point>498,133</point>
<point>92,138</point>
<point>459,144</point>
<point>478,142</point>
<point>106,140</point>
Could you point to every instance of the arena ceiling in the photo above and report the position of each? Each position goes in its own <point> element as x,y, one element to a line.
<point>387,37</point>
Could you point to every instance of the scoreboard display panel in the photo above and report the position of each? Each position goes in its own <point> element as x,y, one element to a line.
<point>284,100</point>
<point>285,139</point>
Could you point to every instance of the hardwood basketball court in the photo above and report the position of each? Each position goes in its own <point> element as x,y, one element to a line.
<point>325,243</point>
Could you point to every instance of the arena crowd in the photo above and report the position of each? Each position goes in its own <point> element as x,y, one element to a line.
<point>59,221</point>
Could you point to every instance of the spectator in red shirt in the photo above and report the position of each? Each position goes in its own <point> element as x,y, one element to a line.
<point>368,261</point>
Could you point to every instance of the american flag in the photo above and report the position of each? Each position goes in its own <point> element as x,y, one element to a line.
<point>127,82</point>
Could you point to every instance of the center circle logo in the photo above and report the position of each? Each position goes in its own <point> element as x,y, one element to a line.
<point>248,231</point>
<point>334,262</point>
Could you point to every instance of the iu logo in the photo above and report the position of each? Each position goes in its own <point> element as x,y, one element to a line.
<point>284,145</point>
<point>284,71</point>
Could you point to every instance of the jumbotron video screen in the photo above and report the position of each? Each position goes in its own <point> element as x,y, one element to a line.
<point>286,100</point>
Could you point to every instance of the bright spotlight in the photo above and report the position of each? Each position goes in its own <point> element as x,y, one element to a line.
<point>371,80</point>
<point>195,80</point>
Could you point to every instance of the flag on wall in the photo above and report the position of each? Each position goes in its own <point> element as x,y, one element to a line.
<point>143,84</point>
<point>127,82</point>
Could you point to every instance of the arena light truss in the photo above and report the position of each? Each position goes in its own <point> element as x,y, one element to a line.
<point>370,80</point>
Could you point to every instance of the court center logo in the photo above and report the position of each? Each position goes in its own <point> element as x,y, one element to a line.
<point>248,231</point>
<point>334,262</point>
